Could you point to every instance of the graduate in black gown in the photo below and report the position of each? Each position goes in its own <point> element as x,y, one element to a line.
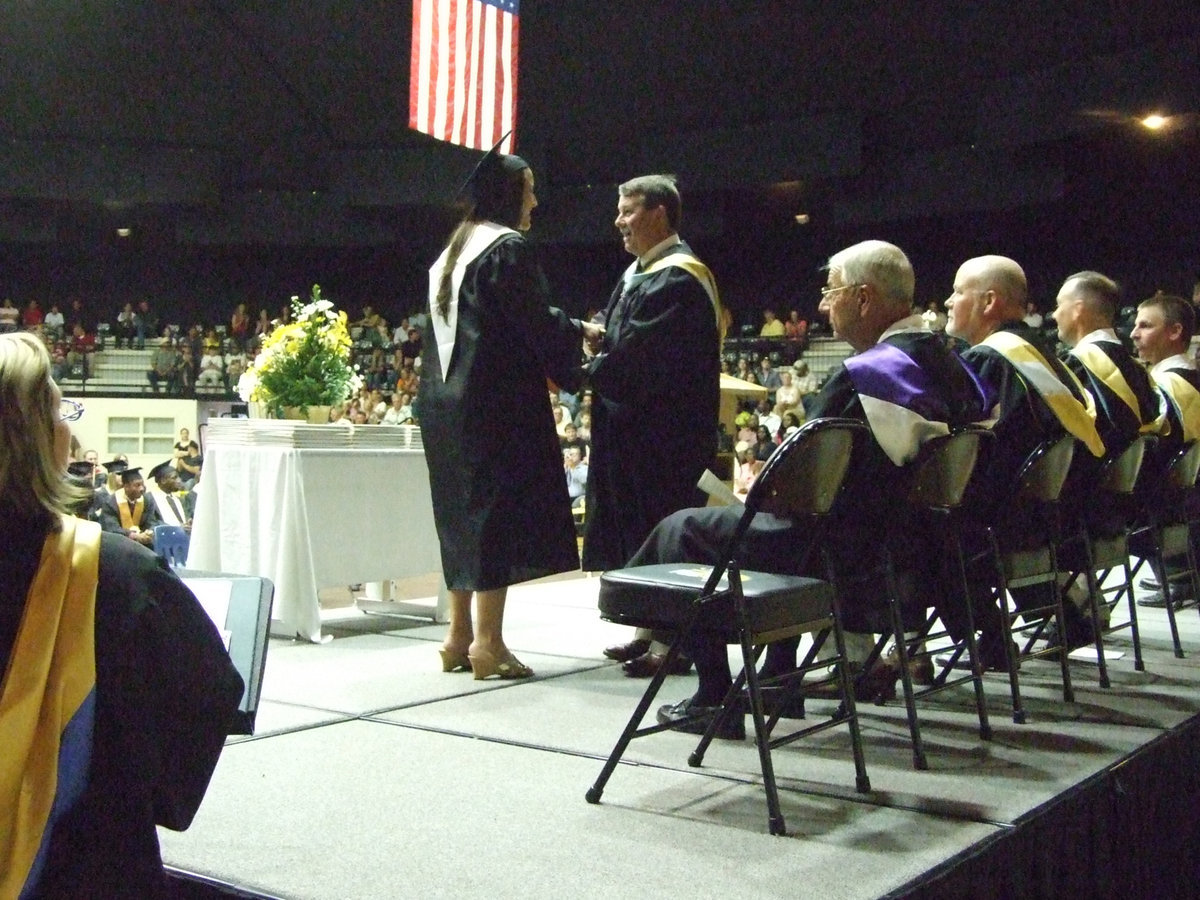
<point>495,469</point>
<point>117,693</point>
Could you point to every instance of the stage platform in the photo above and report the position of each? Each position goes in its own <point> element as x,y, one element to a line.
<point>372,775</point>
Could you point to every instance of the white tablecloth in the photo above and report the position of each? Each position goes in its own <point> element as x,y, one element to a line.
<point>313,518</point>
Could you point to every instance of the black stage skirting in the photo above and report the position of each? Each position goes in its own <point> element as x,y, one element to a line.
<point>1130,831</point>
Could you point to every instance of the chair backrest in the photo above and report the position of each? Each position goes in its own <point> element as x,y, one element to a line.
<point>1045,470</point>
<point>804,474</point>
<point>171,543</point>
<point>1182,468</point>
<point>939,476</point>
<point>1120,473</point>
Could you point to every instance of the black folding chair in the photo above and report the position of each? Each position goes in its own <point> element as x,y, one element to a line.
<point>1099,543</point>
<point>1026,557</point>
<point>1166,529</point>
<point>937,481</point>
<point>752,609</point>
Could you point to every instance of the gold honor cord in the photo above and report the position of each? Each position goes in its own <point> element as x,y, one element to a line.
<point>1078,419</point>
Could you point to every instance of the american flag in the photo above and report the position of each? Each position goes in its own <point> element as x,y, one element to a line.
<point>464,71</point>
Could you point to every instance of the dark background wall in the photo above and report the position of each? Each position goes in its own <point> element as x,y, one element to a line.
<point>256,147</point>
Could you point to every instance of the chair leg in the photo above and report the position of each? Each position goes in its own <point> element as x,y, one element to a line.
<point>1139,664</point>
<point>1002,599</point>
<point>1093,589</point>
<point>910,702</point>
<point>632,726</point>
<point>862,783</point>
<point>762,737</point>
<point>1160,563</point>
<point>985,727</point>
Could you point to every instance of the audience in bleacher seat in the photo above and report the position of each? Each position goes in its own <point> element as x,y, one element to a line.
<point>164,367</point>
<point>188,461</point>
<point>211,375</point>
<point>772,327</point>
<point>10,316</point>
<point>239,327</point>
<point>147,324</point>
<point>54,323</point>
<point>126,327</point>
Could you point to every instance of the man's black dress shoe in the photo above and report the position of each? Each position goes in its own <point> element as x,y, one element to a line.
<point>626,652</point>
<point>679,715</point>
<point>648,664</point>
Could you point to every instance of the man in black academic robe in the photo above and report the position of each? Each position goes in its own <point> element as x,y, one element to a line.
<point>655,384</point>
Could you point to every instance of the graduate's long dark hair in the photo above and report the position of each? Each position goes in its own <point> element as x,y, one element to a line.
<point>496,196</point>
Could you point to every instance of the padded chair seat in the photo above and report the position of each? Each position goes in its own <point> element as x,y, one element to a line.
<point>1107,552</point>
<point>1175,541</point>
<point>1027,566</point>
<point>662,596</point>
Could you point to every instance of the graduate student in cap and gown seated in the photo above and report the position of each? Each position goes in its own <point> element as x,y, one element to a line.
<point>170,496</point>
<point>908,388</point>
<point>495,469</point>
<point>117,693</point>
<point>655,381</point>
<point>129,510</point>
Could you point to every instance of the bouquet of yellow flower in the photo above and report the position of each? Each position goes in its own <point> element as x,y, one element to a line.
<point>305,362</point>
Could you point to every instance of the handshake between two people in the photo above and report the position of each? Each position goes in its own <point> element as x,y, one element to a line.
<point>593,337</point>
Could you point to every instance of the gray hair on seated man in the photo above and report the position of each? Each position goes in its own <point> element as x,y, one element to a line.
<point>880,264</point>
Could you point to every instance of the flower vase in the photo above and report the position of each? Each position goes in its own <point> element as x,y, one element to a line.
<point>315,415</point>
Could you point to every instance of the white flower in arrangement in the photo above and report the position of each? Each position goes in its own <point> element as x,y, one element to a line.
<point>303,363</point>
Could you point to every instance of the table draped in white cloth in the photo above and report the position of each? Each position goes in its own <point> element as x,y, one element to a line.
<point>310,518</point>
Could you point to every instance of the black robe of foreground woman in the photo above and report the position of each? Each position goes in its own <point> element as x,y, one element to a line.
<point>495,468</point>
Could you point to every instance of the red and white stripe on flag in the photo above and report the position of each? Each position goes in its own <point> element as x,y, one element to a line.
<point>464,71</point>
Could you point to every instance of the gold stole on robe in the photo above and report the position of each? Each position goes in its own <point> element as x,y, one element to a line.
<point>1186,400</point>
<point>1101,365</point>
<point>701,273</point>
<point>130,519</point>
<point>47,703</point>
<point>1078,419</point>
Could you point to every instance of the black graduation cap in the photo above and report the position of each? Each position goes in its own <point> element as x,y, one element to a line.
<point>133,474</point>
<point>80,470</point>
<point>162,470</point>
<point>488,184</point>
<point>116,467</point>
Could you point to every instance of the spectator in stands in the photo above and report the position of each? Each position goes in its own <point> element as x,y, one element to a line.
<point>32,316</point>
<point>401,332</point>
<point>772,327</point>
<point>768,377</point>
<point>792,419</point>
<point>80,316</point>
<point>147,323</point>
<point>235,364</point>
<point>263,325</point>
<point>164,367</point>
<point>142,716</point>
<point>376,407</point>
<point>410,350</point>
<point>584,428</point>
<point>54,323</point>
<point>934,317</point>
<point>79,352</point>
<point>409,381</point>
<point>796,328</point>
<point>211,376</point>
<point>1033,318</point>
<point>239,328</point>
<point>10,316</point>
<point>59,366</point>
<point>577,473</point>
<point>570,438</point>
<point>766,443</point>
<point>787,395</point>
<point>187,369</point>
<point>188,460</point>
<point>211,342</point>
<point>400,410</point>
<point>746,466</point>
<point>126,327</point>
<point>806,381</point>
<point>743,369</point>
<point>584,406</point>
<point>767,417</point>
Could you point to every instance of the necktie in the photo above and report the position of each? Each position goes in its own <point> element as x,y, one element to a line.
<point>175,508</point>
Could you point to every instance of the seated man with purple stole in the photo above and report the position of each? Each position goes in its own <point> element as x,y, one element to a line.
<point>907,387</point>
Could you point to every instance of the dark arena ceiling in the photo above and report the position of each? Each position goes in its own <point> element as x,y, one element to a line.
<point>221,131</point>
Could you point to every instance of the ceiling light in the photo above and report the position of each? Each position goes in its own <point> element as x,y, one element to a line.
<point>1154,122</point>
<point>124,232</point>
<point>802,219</point>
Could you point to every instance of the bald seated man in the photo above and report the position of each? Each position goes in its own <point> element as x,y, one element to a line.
<point>1038,400</point>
